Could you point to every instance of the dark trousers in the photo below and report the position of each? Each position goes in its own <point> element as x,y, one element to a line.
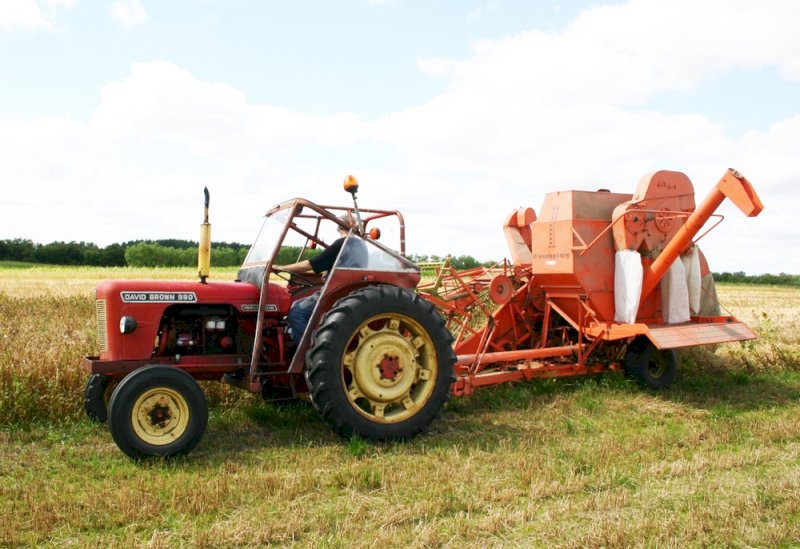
<point>299,315</point>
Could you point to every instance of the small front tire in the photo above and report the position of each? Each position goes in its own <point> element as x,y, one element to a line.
<point>649,366</point>
<point>97,395</point>
<point>157,411</point>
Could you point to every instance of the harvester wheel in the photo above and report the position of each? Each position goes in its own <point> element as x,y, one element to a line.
<point>380,364</point>
<point>97,396</point>
<point>157,411</point>
<point>649,366</point>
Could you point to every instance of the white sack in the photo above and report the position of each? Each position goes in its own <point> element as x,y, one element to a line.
<point>675,294</point>
<point>709,304</point>
<point>691,262</point>
<point>628,275</point>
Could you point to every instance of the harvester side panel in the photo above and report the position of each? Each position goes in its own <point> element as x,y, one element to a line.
<point>563,261</point>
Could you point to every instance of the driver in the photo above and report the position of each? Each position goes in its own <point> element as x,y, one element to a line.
<point>354,256</point>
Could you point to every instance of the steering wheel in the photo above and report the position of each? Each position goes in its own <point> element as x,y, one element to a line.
<point>296,278</point>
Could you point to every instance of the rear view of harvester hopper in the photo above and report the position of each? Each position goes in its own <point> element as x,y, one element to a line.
<point>656,228</point>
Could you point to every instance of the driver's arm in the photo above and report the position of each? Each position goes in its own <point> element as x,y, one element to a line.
<point>322,262</point>
<point>299,267</point>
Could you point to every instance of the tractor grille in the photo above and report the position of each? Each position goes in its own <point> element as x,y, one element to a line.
<point>102,340</point>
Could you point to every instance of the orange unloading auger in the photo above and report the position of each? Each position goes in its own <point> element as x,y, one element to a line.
<point>733,186</point>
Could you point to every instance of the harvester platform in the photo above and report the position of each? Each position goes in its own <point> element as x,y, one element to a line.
<point>700,331</point>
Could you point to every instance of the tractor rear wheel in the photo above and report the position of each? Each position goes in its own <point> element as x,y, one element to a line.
<point>649,366</point>
<point>157,411</point>
<point>380,365</point>
<point>97,396</point>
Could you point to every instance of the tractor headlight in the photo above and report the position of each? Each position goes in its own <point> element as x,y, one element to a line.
<point>127,324</point>
<point>215,325</point>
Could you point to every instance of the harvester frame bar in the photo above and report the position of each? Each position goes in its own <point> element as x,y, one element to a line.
<point>525,370</point>
<point>484,367</point>
<point>448,298</point>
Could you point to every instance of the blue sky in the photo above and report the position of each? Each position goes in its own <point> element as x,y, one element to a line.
<point>115,114</point>
<point>318,57</point>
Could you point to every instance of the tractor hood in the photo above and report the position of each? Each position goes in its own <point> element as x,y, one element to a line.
<point>145,302</point>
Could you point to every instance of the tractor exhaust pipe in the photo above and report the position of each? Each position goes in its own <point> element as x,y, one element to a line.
<point>204,248</point>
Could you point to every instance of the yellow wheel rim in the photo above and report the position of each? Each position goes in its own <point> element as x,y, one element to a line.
<point>389,368</point>
<point>108,392</point>
<point>657,365</point>
<point>160,416</point>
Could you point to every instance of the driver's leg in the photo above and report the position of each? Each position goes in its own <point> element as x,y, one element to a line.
<point>299,315</point>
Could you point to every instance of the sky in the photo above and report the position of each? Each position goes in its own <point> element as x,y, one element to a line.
<point>115,114</point>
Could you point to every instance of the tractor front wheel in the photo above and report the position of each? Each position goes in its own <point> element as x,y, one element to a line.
<point>157,411</point>
<point>380,364</point>
<point>649,366</point>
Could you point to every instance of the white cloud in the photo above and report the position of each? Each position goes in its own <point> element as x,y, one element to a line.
<point>522,116</point>
<point>623,54</point>
<point>481,11</point>
<point>160,101</point>
<point>30,14</point>
<point>129,12</point>
<point>572,109</point>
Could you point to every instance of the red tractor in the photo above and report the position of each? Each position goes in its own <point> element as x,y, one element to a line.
<point>599,281</point>
<point>393,355</point>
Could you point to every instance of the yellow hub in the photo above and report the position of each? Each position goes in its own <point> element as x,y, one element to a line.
<point>390,368</point>
<point>108,392</point>
<point>160,416</point>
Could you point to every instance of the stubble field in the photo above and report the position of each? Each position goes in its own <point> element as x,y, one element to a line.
<point>714,461</point>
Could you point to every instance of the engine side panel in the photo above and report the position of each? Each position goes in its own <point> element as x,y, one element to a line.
<point>148,301</point>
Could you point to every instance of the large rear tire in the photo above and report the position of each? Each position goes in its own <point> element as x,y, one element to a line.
<point>380,365</point>
<point>157,411</point>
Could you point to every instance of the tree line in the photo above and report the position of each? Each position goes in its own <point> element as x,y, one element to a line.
<point>161,253</point>
<point>136,253</point>
<point>740,277</point>
<point>183,253</point>
<point>457,262</point>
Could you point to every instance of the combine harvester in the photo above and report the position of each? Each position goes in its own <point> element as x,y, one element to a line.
<point>598,281</point>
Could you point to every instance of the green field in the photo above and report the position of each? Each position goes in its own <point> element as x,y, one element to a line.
<point>714,461</point>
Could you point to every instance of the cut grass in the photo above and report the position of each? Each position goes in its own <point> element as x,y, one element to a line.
<point>36,280</point>
<point>715,461</point>
<point>642,469</point>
